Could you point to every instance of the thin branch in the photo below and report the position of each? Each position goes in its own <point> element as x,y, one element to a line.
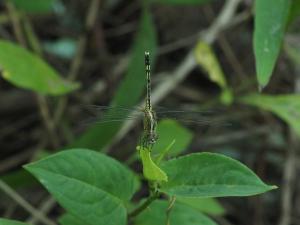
<point>14,17</point>
<point>77,60</point>
<point>290,167</point>
<point>169,209</point>
<point>26,205</point>
<point>45,207</point>
<point>189,63</point>
<point>144,206</point>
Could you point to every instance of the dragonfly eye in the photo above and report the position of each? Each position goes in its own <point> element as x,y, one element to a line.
<point>152,140</point>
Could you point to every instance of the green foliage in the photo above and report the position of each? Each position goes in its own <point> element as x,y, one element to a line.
<point>180,214</point>
<point>10,222</point>
<point>287,107</point>
<point>26,70</point>
<point>130,89</point>
<point>90,185</point>
<point>169,130</point>
<point>35,6</point>
<point>270,23</point>
<point>95,189</point>
<point>150,170</point>
<point>210,175</point>
<point>207,59</point>
<point>206,205</point>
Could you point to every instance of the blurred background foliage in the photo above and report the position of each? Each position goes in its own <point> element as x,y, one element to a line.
<point>237,61</point>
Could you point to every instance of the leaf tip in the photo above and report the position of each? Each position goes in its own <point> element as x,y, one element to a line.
<point>273,187</point>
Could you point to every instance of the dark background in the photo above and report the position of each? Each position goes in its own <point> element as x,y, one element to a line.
<point>103,50</point>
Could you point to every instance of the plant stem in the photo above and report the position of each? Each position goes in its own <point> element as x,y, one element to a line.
<point>142,207</point>
<point>170,207</point>
<point>90,21</point>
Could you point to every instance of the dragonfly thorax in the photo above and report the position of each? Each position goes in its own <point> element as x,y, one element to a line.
<point>150,123</point>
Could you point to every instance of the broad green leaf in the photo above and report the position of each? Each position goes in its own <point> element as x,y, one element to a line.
<point>207,59</point>
<point>210,175</point>
<point>182,2</point>
<point>287,107</point>
<point>270,24</point>
<point>26,70</point>
<point>90,185</point>
<point>150,170</point>
<point>180,214</point>
<point>35,6</point>
<point>68,219</point>
<point>206,205</point>
<point>11,222</point>
<point>169,130</point>
<point>131,88</point>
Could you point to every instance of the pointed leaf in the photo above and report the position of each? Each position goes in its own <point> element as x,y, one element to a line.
<point>287,107</point>
<point>26,70</point>
<point>90,185</point>
<point>179,215</point>
<point>150,170</point>
<point>207,59</point>
<point>210,175</point>
<point>270,23</point>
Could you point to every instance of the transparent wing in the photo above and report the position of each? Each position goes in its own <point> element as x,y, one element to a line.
<point>203,117</point>
<point>107,114</point>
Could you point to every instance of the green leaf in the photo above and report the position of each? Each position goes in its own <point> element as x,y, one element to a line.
<point>210,175</point>
<point>26,70</point>
<point>150,170</point>
<point>270,23</point>
<point>207,59</point>
<point>90,185</point>
<point>169,130</point>
<point>206,205</point>
<point>35,6</point>
<point>182,2</point>
<point>131,88</point>
<point>68,219</point>
<point>287,107</point>
<point>11,222</point>
<point>179,215</point>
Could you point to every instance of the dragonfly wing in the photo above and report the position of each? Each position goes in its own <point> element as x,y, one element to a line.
<point>206,117</point>
<point>105,114</point>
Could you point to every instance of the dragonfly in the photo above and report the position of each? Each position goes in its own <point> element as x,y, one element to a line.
<point>150,116</point>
